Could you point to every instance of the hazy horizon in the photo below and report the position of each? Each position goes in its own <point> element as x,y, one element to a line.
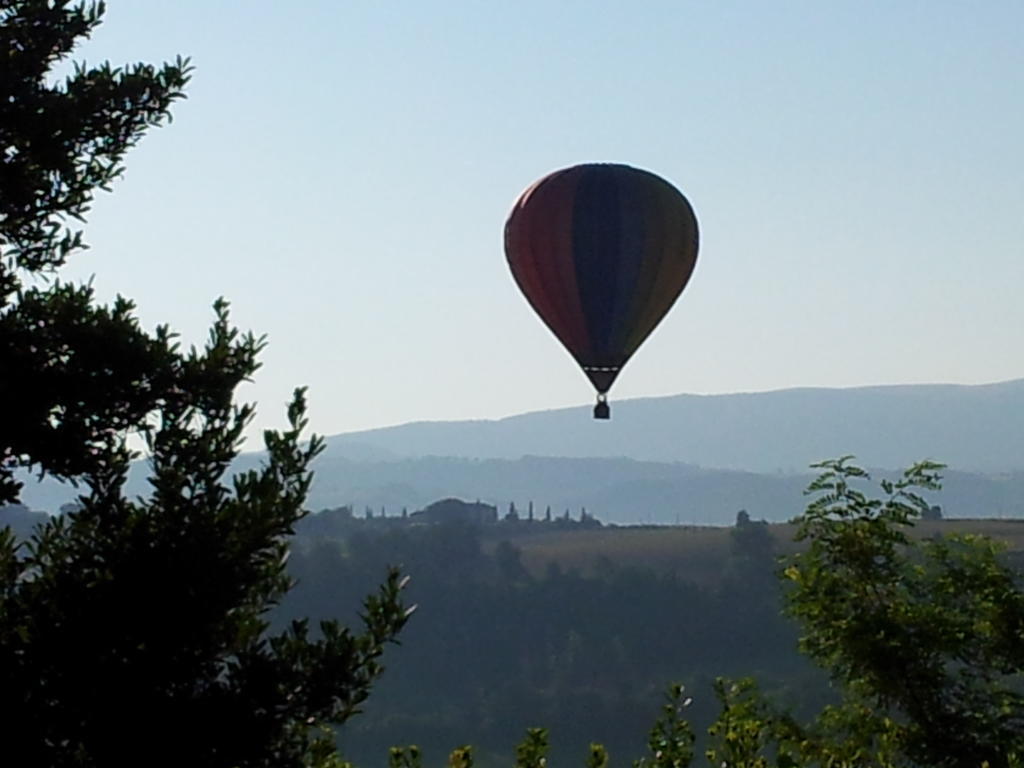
<point>696,456</point>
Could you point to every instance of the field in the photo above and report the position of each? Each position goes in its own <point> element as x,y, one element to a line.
<point>697,553</point>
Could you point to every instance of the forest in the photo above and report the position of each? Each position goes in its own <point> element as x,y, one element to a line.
<point>585,649</point>
<point>494,648</point>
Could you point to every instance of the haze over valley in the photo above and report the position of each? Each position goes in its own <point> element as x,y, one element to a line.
<point>682,459</point>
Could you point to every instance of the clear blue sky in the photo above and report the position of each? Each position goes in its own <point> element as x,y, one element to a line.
<point>341,172</point>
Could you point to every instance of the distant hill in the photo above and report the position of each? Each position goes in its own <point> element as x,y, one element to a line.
<point>971,428</point>
<point>618,490</point>
<point>688,459</point>
<point>613,490</point>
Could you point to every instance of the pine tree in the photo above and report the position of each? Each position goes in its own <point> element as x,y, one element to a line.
<point>133,630</point>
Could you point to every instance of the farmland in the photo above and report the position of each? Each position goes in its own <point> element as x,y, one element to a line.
<point>697,553</point>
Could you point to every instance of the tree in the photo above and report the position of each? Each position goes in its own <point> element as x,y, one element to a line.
<point>61,143</point>
<point>751,543</point>
<point>921,638</point>
<point>126,619</point>
<point>922,634</point>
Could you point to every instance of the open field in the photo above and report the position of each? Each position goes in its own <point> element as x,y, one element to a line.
<point>697,553</point>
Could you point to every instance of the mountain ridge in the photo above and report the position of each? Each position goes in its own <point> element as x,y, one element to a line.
<point>680,458</point>
<point>975,427</point>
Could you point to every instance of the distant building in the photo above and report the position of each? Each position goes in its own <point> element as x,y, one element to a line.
<point>456,510</point>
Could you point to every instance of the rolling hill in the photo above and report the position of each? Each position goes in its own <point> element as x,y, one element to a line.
<point>972,428</point>
<point>688,459</point>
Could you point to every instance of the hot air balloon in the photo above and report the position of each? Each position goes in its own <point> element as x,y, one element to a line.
<point>601,253</point>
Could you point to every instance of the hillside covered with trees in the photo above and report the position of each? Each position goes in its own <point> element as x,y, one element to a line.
<point>496,647</point>
<point>576,629</point>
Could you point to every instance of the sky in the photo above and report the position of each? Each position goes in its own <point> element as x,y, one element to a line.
<point>342,171</point>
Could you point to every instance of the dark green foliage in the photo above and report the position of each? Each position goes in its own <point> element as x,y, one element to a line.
<point>922,639</point>
<point>598,757</point>
<point>671,739</point>
<point>81,375</point>
<point>926,636</point>
<point>920,636</point>
<point>134,630</point>
<point>404,757</point>
<point>61,142</point>
<point>496,649</point>
<point>461,757</point>
<point>532,751</point>
<point>745,729</point>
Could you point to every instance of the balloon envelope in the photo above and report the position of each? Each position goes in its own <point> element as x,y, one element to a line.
<point>601,252</point>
